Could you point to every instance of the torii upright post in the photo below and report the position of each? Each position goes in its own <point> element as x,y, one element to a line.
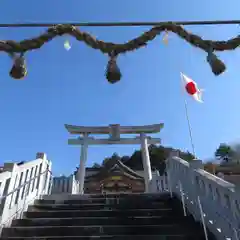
<point>146,161</point>
<point>82,167</point>
<point>114,131</point>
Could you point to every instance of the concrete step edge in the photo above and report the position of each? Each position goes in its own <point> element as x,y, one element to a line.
<point>106,210</point>
<point>99,218</point>
<point>93,204</point>
<point>95,226</point>
<point>100,236</point>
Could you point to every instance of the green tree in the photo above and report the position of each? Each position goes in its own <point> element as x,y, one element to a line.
<point>125,159</point>
<point>186,156</point>
<point>135,160</point>
<point>96,165</point>
<point>158,155</point>
<point>224,152</point>
<point>108,161</point>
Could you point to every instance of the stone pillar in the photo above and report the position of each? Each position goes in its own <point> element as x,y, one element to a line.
<point>146,161</point>
<point>41,155</point>
<point>82,167</point>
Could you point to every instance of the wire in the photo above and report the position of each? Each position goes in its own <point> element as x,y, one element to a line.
<point>119,24</point>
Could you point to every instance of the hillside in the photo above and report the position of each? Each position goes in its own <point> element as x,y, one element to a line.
<point>158,155</point>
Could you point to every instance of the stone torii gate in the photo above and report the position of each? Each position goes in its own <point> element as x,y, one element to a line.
<point>114,131</point>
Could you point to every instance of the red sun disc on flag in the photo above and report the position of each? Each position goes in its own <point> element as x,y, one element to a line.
<point>191,88</point>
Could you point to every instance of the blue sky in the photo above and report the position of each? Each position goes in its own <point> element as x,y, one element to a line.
<point>70,86</point>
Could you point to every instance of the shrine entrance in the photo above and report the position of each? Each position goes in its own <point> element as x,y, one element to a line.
<point>114,131</point>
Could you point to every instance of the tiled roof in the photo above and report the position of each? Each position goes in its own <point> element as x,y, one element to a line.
<point>104,171</point>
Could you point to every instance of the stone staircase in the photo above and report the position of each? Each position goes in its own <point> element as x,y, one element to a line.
<point>133,216</point>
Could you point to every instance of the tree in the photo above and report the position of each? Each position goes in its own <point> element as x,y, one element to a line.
<point>224,152</point>
<point>96,165</point>
<point>186,156</point>
<point>107,161</point>
<point>158,155</point>
<point>125,159</point>
<point>236,149</point>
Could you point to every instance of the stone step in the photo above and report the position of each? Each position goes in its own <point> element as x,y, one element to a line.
<point>164,195</point>
<point>99,230</point>
<point>86,221</point>
<point>101,197</point>
<point>112,237</point>
<point>115,200</point>
<point>99,213</point>
<point>95,206</point>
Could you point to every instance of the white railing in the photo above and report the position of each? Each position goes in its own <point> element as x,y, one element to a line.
<point>159,183</point>
<point>65,184</point>
<point>20,185</point>
<point>211,200</point>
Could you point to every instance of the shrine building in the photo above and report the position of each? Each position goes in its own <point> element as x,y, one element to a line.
<point>116,177</point>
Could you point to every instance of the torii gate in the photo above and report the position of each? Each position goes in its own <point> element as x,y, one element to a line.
<point>114,131</point>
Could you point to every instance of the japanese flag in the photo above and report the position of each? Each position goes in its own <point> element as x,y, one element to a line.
<point>191,87</point>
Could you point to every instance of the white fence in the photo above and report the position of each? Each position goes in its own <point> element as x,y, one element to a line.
<point>158,183</point>
<point>64,184</point>
<point>20,185</point>
<point>210,199</point>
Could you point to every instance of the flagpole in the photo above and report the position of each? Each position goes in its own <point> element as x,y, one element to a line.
<point>188,120</point>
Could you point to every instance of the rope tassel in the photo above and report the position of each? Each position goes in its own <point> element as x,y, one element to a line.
<point>113,73</point>
<point>18,70</point>
<point>216,64</point>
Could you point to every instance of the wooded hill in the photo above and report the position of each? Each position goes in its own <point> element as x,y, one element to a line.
<point>158,155</point>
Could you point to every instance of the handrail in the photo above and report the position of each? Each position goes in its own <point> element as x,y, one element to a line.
<point>208,187</point>
<point>26,183</point>
<point>9,211</point>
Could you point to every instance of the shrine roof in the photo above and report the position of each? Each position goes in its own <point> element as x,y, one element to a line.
<point>154,128</point>
<point>112,166</point>
<point>95,169</point>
